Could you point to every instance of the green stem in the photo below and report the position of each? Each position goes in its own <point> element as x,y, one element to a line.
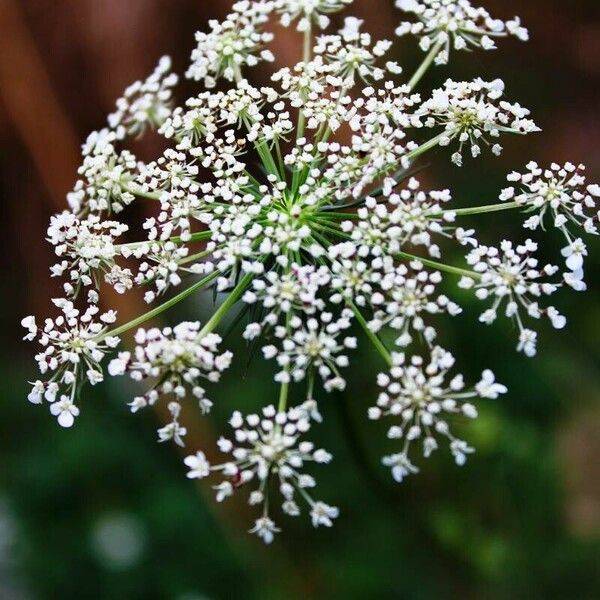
<point>479,210</point>
<point>140,193</point>
<point>432,143</point>
<point>440,266</point>
<point>425,65</point>
<point>283,396</point>
<point>307,45</point>
<point>379,345</point>
<point>161,308</point>
<point>285,386</point>
<point>233,297</point>
<point>195,237</point>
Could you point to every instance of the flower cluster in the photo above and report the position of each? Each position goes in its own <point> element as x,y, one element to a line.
<point>473,113</point>
<point>559,194</point>
<point>176,359</point>
<point>145,103</point>
<point>236,42</point>
<point>87,249</point>
<point>457,24</point>
<point>73,347</point>
<point>297,202</point>
<point>416,395</point>
<point>268,450</point>
<point>512,276</point>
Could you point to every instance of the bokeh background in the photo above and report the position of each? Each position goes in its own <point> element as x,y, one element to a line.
<point>103,511</point>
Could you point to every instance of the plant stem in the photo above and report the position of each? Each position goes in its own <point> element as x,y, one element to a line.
<point>432,143</point>
<point>195,237</point>
<point>140,193</point>
<point>162,307</point>
<point>479,210</point>
<point>379,345</point>
<point>440,266</point>
<point>425,65</point>
<point>233,297</point>
<point>283,396</point>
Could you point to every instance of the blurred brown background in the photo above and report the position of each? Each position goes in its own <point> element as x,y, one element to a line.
<point>62,65</point>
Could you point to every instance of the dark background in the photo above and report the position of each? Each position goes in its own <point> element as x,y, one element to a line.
<point>103,511</point>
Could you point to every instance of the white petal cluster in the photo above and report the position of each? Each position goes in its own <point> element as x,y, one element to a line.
<point>316,345</point>
<point>87,249</point>
<point>176,359</point>
<point>145,103</point>
<point>283,293</point>
<point>73,347</point>
<point>104,176</point>
<point>558,194</point>
<point>416,395</point>
<point>408,216</point>
<point>232,44</point>
<point>163,264</point>
<point>474,113</point>
<point>267,450</point>
<point>455,24</point>
<point>308,11</point>
<point>512,277</point>
<point>410,297</point>
<point>353,54</point>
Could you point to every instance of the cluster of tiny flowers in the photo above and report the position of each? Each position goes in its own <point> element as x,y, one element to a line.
<point>560,195</point>
<point>308,11</point>
<point>268,450</point>
<point>236,42</point>
<point>297,200</point>
<point>408,216</point>
<point>473,113</point>
<point>420,401</point>
<point>512,276</point>
<point>456,24</point>
<point>176,360</point>
<point>87,249</point>
<point>73,347</point>
<point>145,103</point>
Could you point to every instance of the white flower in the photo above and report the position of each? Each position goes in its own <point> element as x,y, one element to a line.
<point>512,276</point>
<point>488,387</point>
<point>400,465</point>
<point>177,359</point>
<point>145,103</point>
<point>416,396</point>
<point>474,113</point>
<point>559,194</point>
<point>29,324</point>
<point>295,206</point>
<point>308,11</point>
<point>232,44</point>
<point>105,176</point>
<point>575,253</point>
<point>265,529</point>
<point>455,24</point>
<point>322,514</point>
<point>65,411</point>
<point>267,449</point>
<point>352,53</point>
<point>311,346</point>
<point>406,298</point>
<point>198,465</point>
<point>405,216</point>
<point>87,250</point>
<point>72,348</point>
